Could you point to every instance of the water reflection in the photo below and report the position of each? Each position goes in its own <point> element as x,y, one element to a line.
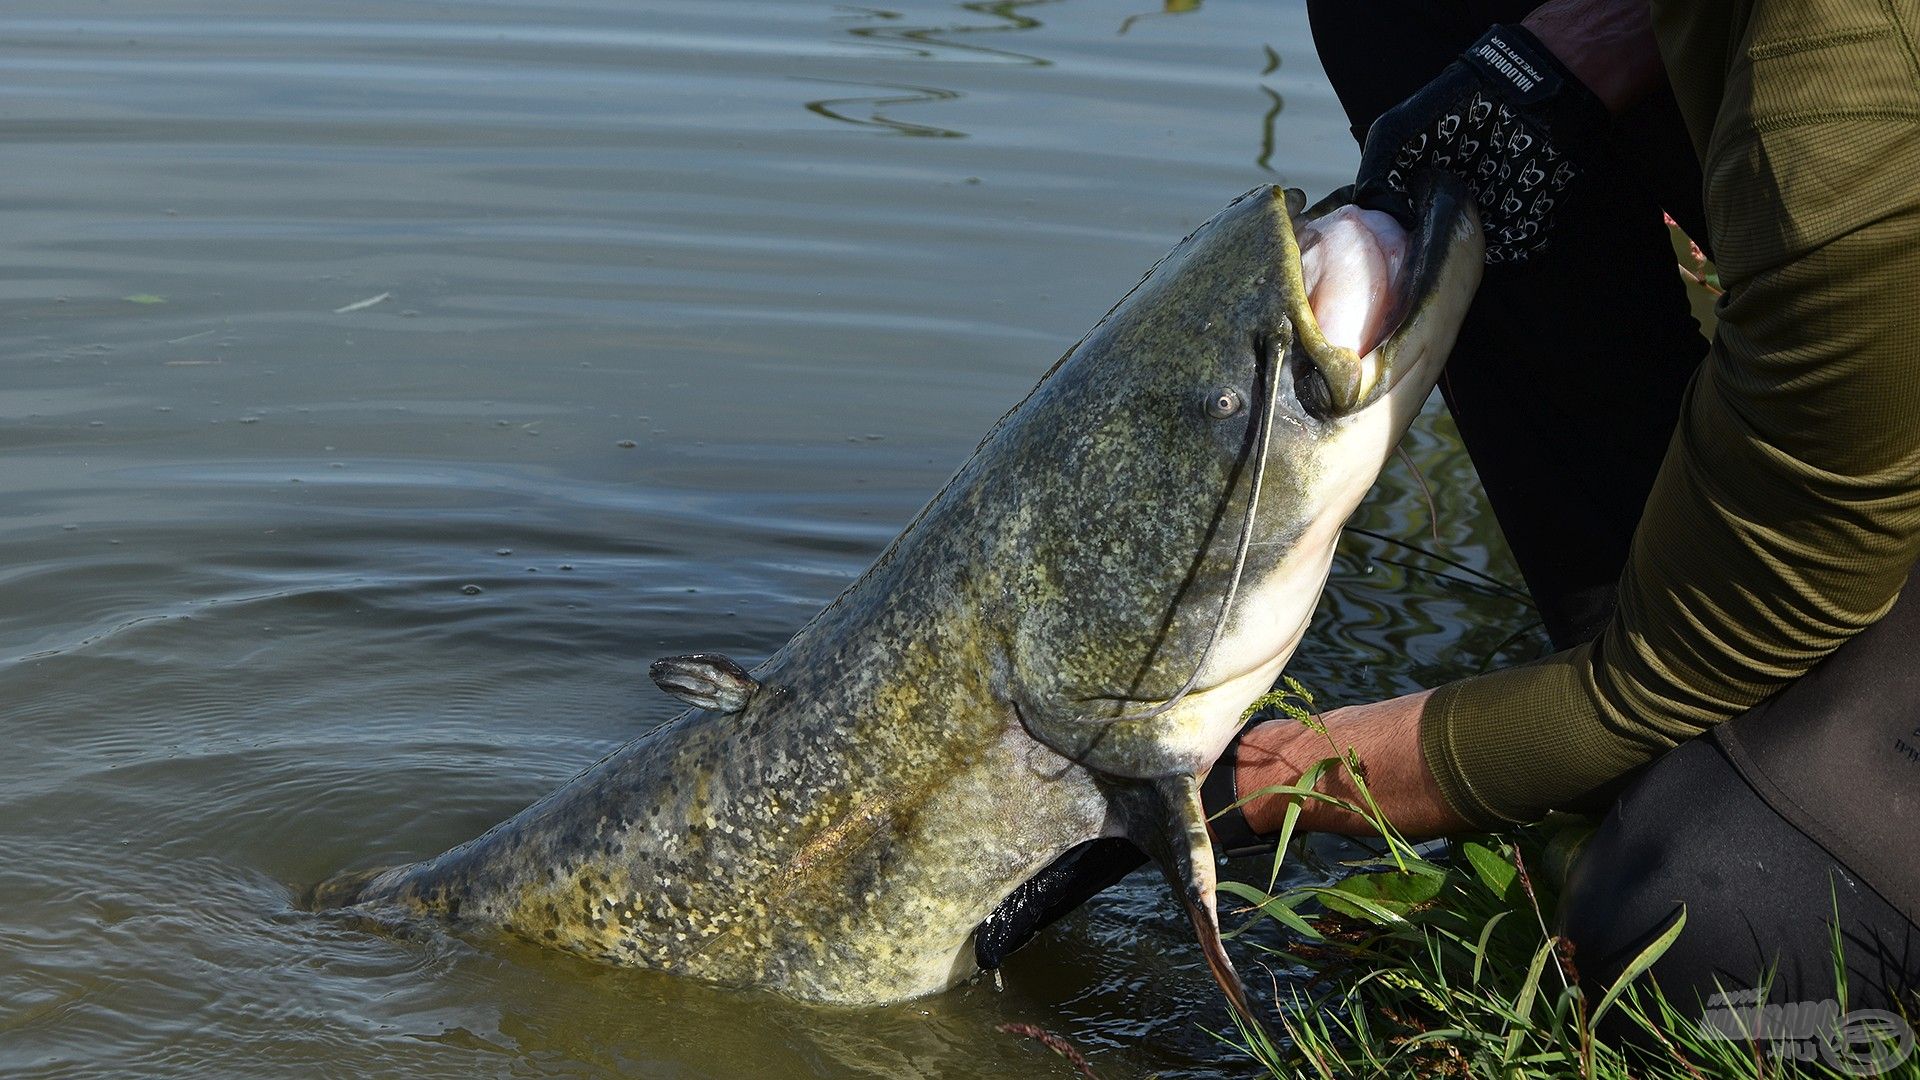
<point>834,108</point>
<point>883,29</point>
<point>1267,125</point>
<point>1168,7</point>
<point>929,42</point>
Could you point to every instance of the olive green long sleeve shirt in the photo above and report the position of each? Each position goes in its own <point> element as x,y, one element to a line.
<point>1786,514</point>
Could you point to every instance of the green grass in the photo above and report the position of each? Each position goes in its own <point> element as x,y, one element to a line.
<point>1438,961</point>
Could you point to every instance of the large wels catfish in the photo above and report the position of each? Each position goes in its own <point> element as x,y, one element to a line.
<point>1055,650</point>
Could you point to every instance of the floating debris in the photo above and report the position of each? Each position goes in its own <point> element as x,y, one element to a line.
<point>358,305</point>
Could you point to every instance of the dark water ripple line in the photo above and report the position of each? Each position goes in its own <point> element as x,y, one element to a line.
<point>930,42</point>
<point>901,94</point>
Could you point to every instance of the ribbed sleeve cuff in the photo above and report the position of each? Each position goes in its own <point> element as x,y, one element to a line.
<point>1437,746</point>
<point>1509,746</point>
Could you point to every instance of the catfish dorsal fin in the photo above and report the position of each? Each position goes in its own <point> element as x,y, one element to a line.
<point>1165,818</point>
<point>705,681</point>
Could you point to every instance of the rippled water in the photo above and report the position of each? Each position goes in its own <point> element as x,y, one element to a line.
<point>683,310</point>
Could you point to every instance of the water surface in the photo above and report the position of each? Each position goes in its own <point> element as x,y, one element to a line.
<point>682,311</point>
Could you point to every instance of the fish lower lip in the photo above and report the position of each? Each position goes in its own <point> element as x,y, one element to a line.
<point>1353,262</point>
<point>1402,264</point>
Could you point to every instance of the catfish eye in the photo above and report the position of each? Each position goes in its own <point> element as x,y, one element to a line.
<point>1310,387</point>
<point>1224,402</point>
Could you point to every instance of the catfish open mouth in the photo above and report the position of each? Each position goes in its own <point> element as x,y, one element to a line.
<point>1366,277</point>
<point>1354,262</point>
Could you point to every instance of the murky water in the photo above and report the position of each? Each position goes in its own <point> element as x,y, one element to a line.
<point>683,309</point>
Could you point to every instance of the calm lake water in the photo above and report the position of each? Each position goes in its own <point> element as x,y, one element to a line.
<point>683,310</point>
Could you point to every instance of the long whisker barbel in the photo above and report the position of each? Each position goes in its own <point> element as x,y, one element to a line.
<point>1491,581</point>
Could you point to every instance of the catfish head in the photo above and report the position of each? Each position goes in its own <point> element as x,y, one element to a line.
<point>1177,484</point>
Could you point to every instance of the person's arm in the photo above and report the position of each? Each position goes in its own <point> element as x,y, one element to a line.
<point>1785,520</point>
<point>1610,47</point>
<point>1384,735</point>
<point>1607,44</point>
<point>1786,515</point>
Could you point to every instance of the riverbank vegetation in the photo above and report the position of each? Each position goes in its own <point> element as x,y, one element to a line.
<point>1438,960</point>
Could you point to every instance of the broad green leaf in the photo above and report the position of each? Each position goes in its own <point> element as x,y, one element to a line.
<point>1354,904</point>
<point>1397,892</point>
<point>1491,866</point>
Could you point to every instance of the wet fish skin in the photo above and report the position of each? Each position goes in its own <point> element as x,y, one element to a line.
<point>1054,650</point>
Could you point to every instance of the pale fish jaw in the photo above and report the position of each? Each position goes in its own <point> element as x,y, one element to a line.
<point>1354,263</point>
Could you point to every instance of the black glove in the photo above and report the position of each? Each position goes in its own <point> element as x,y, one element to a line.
<point>1084,872</point>
<point>1510,120</point>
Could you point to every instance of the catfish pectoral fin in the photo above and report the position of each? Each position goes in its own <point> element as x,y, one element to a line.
<point>1166,819</point>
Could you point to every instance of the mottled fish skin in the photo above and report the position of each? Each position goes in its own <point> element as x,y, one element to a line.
<point>946,728</point>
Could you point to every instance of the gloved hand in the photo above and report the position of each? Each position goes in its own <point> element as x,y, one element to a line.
<point>1510,120</point>
<point>1086,871</point>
